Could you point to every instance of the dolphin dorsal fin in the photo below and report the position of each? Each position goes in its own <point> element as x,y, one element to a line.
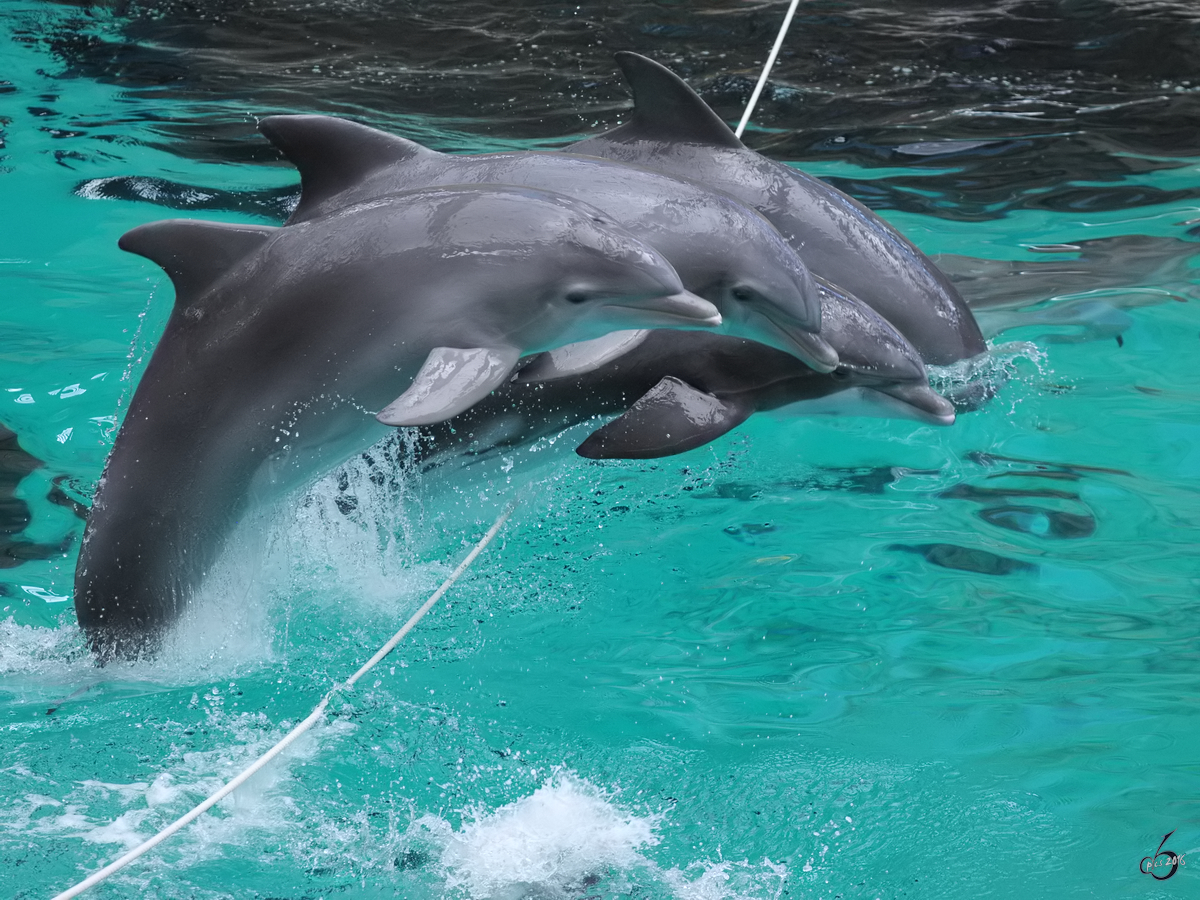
<point>333,154</point>
<point>665,108</point>
<point>194,253</point>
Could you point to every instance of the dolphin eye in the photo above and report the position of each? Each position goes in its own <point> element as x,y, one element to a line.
<point>578,296</point>
<point>742,294</point>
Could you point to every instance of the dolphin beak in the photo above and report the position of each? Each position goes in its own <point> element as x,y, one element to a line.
<point>676,310</point>
<point>929,406</point>
<point>812,349</point>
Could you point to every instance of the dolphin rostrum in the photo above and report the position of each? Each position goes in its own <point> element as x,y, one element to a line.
<point>284,342</point>
<point>678,390</point>
<point>723,251</point>
<point>672,130</point>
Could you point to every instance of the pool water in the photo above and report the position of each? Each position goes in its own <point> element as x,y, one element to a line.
<point>818,658</point>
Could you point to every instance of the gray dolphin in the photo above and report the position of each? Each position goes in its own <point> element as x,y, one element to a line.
<point>678,390</point>
<point>284,342</point>
<point>674,131</point>
<point>722,250</point>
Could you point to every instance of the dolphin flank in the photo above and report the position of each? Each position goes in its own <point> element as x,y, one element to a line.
<point>723,250</point>
<point>673,131</point>
<point>283,342</point>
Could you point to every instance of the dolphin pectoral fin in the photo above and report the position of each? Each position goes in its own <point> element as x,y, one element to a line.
<point>193,253</point>
<point>333,154</point>
<point>666,109</point>
<point>451,381</point>
<point>670,418</point>
<point>584,356</point>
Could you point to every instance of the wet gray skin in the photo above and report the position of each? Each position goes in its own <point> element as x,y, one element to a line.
<point>284,342</point>
<point>672,130</point>
<point>723,251</point>
<point>677,390</point>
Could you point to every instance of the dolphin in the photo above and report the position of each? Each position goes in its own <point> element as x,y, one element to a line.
<point>678,390</point>
<point>673,131</point>
<point>722,250</point>
<point>284,342</point>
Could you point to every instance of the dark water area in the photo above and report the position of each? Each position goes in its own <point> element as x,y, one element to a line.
<point>992,106</point>
<point>15,513</point>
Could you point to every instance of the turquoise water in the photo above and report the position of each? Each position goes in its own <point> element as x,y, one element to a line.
<point>818,658</point>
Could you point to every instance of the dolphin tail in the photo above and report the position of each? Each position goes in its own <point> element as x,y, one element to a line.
<point>672,417</point>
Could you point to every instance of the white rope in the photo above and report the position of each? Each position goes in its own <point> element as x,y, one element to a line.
<point>304,726</point>
<point>762,79</point>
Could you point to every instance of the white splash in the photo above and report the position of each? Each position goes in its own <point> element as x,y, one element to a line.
<point>565,840</point>
<point>126,814</point>
<point>50,653</point>
<point>356,531</point>
<point>565,835</point>
<point>990,370</point>
<point>727,880</point>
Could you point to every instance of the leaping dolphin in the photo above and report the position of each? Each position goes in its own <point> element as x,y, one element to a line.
<point>284,342</point>
<point>678,390</point>
<point>723,251</point>
<point>673,131</point>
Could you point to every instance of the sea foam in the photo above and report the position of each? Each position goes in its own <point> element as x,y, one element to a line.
<point>570,839</point>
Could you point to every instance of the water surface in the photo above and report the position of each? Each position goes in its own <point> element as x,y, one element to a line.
<point>817,658</point>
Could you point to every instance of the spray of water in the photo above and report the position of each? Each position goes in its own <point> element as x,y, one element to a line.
<point>569,839</point>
